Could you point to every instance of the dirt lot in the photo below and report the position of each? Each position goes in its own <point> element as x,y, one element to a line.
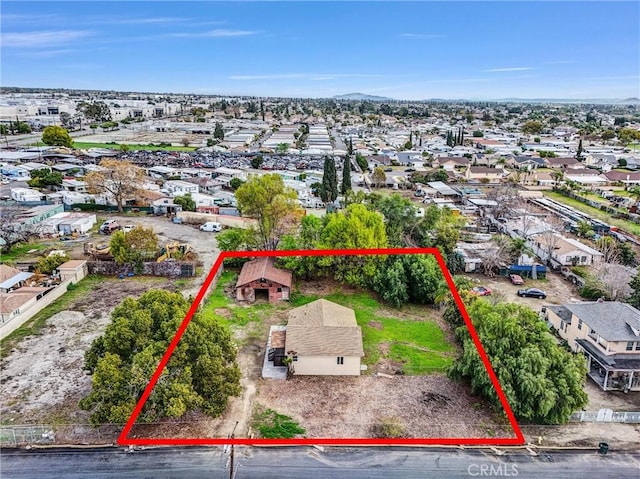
<point>42,378</point>
<point>427,406</point>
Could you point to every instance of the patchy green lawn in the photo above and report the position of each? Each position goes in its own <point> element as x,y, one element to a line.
<point>229,313</point>
<point>409,337</point>
<point>416,342</point>
<point>20,250</point>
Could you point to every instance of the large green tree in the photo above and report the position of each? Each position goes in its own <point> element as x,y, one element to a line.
<point>543,381</point>
<point>56,136</point>
<point>355,228</point>
<point>186,201</point>
<point>202,373</point>
<point>400,218</point>
<point>532,127</point>
<point>346,176</point>
<point>628,135</point>
<point>329,181</point>
<point>218,132</point>
<point>44,178</point>
<point>97,111</point>
<point>274,206</point>
<point>138,245</point>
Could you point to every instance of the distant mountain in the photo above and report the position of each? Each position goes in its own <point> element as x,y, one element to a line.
<point>361,96</point>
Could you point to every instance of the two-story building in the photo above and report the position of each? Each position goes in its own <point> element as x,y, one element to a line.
<point>608,334</point>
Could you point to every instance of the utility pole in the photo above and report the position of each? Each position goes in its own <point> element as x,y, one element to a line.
<point>232,454</point>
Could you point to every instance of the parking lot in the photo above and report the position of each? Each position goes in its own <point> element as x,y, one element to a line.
<point>559,290</point>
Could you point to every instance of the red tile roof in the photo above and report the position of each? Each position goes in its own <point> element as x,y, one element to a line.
<point>263,268</point>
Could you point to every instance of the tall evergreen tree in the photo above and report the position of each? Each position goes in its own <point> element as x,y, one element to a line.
<point>579,153</point>
<point>350,147</point>
<point>462,136</point>
<point>329,180</point>
<point>346,175</point>
<point>262,109</point>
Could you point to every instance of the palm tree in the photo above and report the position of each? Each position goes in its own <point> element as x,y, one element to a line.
<point>557,177</point>
<point>518,247</point>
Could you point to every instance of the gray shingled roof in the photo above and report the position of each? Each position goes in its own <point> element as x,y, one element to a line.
<point>323,328</point>
<point>610,319</point>
<point>562,312</point>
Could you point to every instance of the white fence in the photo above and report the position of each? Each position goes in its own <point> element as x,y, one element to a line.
<point>606,415</point>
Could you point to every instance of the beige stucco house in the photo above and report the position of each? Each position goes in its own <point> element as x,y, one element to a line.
<point>323,338</point>
<point>608,334</point>
<point>564,251</point>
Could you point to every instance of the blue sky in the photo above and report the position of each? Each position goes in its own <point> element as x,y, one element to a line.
<point>476,50</point>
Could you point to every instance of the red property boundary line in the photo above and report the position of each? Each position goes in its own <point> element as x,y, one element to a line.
<point>123,439</point>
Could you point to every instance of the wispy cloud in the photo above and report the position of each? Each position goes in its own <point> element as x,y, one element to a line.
<point>23,18</point>
<point>305,76</point>
<point>142,21</point>
<point>421,35</point>
<point>509,69</point>
<point>48,53</point>
<point>42,38</point>
<point>219,33</point>
<point>560,62</point>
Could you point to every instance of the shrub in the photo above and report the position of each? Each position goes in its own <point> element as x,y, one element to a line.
<point>388,428</point>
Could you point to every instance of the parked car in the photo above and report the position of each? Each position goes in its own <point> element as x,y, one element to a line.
<point>127,228</point>
<point>481,291</point>
<point>388,169</point>
<point>109,227</point>
<point>532,293</point>
<point>516,279</point>
<point>211,226</point>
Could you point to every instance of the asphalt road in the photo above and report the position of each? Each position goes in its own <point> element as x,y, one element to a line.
<point>303,462</point>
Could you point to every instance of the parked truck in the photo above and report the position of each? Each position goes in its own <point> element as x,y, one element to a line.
<point>571,276</point>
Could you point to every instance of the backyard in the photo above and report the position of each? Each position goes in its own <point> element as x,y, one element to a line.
<point>595,212</point>
<point>407,352</point>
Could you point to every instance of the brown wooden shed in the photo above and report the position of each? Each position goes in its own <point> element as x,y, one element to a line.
<point>261,277</point>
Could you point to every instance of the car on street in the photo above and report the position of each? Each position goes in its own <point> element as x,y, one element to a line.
<point>516,279</point>
<point>481,291</point>
<point>211,226</point>
<point>532,293</point>
<point>388,170</point>
<point>127,228</point>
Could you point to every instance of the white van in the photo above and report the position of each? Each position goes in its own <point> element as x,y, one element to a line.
<point>211,226</point>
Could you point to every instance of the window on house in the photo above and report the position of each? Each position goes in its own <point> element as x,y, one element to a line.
<point>584,259</point>
<point>579,324</point>
<point>340,360</point>
<point>629,345</point>
<point>295,358</point>
<point>279,290</point>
